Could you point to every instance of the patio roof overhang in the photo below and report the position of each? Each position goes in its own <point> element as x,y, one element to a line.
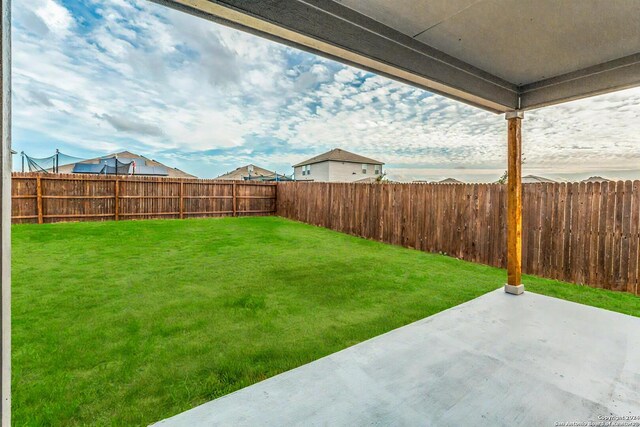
<point>499,55</point>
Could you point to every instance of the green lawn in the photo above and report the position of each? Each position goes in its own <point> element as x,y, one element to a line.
<point>131,322</point>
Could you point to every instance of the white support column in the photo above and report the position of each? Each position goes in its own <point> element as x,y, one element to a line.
<point>5,213</point>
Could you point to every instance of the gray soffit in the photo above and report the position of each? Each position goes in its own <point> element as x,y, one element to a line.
<point>498,55</point>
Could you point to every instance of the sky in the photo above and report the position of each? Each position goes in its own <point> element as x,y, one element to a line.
<point>92,77</point>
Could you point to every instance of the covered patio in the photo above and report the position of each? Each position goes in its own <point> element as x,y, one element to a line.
<point>495,360</point>
<point>499,359</point>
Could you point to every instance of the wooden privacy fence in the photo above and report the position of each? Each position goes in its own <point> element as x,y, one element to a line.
<point>586,233</point>
<point>41,198</point>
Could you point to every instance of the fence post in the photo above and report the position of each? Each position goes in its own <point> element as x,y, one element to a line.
<point>181,200</point>
<point>275,197</point>
<point>39,192</point>
<point>116,196</point>
<point>235,209</point>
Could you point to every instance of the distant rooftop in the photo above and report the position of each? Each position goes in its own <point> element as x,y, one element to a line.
<point>596,179</point>
<point>532,179</point>
<point>252,172</point>
<point>339,155</point>
<point>450,181</point>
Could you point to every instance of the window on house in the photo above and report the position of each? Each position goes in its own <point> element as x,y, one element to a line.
<point>377,170</point>
<point>308,169</point>
<point>364,168</point>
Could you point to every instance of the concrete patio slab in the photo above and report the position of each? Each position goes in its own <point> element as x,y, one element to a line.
<point>497,360</point>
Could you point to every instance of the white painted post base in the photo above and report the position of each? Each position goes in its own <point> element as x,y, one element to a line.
<point>515,290</point>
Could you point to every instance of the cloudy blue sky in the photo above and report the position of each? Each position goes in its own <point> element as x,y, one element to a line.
<point>92,77</point>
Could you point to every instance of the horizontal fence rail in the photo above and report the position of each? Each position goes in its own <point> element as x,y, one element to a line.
<point>587,233</point>
<point>44,198</point>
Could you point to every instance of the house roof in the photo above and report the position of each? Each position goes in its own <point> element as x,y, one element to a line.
<point>339,155</point>
<point>149,163</point>
<point>596,179</point>
<point>450,181</point>
<point>243,172</point>
<point>497,55</point>
<point>532,179</point>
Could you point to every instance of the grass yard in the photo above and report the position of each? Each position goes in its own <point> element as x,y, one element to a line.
<point>127,323</point>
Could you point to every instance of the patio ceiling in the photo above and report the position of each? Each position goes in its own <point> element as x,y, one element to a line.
<point>500,55</point>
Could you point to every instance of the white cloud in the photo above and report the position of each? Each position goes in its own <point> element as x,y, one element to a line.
<point>132,74</point>
<point>56,17</point>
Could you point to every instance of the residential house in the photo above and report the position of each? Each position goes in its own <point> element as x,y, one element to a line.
<point>123,163</point>
<point>253,173</point>
<point>337,165</point>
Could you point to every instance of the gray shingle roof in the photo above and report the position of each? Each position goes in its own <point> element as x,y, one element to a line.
<point>531,179</point>
<point>450,181</point>
<point>339,155</point>
<point>243,172</point>
<point>596,179</point>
